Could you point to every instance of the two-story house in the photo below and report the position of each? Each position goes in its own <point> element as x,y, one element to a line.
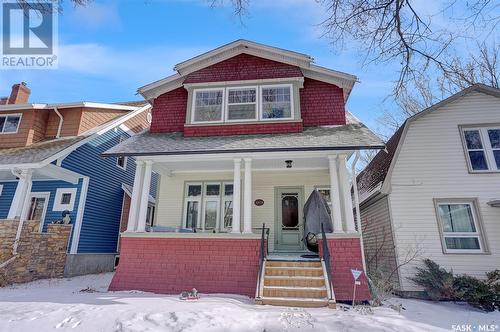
<point>435,192</point>
<point>241,136</point>
<point>51,164</point>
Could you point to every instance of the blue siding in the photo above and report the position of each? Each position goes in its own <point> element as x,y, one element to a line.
<point>101,220</point>
<point>9,188</point>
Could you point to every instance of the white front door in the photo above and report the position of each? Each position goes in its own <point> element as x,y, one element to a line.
<point>38,207</point>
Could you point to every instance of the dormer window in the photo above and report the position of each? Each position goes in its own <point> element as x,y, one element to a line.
<point>242,104</point>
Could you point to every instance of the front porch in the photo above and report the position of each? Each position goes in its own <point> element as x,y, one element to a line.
<point>206,232</point>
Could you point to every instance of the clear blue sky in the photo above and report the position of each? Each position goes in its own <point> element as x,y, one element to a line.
<point>109,49</point>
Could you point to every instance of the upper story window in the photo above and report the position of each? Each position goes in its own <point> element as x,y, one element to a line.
<point>9,123</point>
<point>483,148</point>
<point>121,161</point>
<point>238,104</point>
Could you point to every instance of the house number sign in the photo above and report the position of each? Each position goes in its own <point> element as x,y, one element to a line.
<point>259,202</point>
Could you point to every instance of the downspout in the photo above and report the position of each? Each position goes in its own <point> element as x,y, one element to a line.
<point>61,120</point>
<point>356,204</point>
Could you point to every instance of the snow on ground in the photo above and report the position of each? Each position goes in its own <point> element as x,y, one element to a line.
<point>83,304</point>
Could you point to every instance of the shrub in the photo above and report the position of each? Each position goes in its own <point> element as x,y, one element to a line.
<point>440,284</point>
<point>437,282</point>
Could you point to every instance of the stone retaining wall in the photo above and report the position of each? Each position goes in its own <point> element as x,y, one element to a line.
<point>39,255</point>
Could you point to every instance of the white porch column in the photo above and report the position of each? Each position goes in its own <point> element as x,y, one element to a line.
<point>144,197</point>
<point>236,195</point>
<point>346,194</point>
<point>136,194</point>
<point>247,203</point>
<point>335,195</point>
<point>18,200</point>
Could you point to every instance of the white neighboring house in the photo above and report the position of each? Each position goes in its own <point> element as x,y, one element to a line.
<point>435,191</point>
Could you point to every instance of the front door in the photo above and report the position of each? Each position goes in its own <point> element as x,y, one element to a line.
<point>289,218</point>
<point>38,207</point>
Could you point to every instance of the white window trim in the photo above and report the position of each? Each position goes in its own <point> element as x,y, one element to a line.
<point>125,160</point>
<point>188,199</point>
<point>487,148</point>
<point>225,198</point>
<point>57,199</point>
<point>477,234</point>
<point>291,101</point>
<point>193,105</point>
<point>212,198</point>
<point>1,189</point>
<point>257,103</point>
<point>18,124</point>
<point>224,105</point>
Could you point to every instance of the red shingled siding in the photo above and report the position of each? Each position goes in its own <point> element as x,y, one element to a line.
<point>321,104</point>
<point>169,111</point>
<point>243,129</point>
<point>243,67</point>
<point>173,265</point>
<point>345,254</point>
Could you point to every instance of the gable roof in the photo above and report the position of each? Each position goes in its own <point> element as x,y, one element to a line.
<point>240,46</point>
<point>372,178</point>
<point>43,153</point>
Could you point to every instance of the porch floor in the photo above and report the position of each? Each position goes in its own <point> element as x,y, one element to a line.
<point>293,256</point>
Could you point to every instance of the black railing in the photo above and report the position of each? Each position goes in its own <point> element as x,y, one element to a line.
<point>263,255</point>
<point>326,259</point>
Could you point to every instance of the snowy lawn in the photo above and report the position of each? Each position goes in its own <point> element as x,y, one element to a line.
<point>83,304</point>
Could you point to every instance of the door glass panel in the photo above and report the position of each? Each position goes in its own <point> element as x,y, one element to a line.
<point>289,211</point>
<point>228,214</point>
<point>192,214</point>
<point>210,214</point>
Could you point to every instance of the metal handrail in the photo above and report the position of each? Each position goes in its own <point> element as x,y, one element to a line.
<point>263,255</point>
<point>326,259</point>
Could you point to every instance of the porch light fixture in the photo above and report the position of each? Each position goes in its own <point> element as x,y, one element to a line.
<point>288,163</point>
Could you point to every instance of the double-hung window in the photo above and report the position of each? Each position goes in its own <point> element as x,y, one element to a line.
<point>459,225</point>
<point>208,206</point>
<point>242,103</point>
<point>9,124</point>
<point>482,148</point>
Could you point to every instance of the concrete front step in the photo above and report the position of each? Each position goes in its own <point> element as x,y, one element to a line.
<point>295,292</point>
<point>293,271</point>
<point>294,281</point>
<point>294,302</point>
<point>292,264</point>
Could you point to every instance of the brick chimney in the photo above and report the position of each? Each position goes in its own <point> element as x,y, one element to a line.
<point>20,94</point>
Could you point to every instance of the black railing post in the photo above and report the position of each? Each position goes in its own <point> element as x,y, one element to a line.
<point>263,254</point>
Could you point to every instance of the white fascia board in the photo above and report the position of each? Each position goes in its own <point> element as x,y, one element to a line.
<point>157,88</point>
<point>60,173</point>
<point>93,105</point>
<point>14,107</point>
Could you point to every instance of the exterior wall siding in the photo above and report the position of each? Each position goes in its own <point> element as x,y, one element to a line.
<point>378,239</point>
<point>8,191</point>
<point>432,164</point>
<point>321,104</point>
<point>170,201</point>
<point>169,111</point>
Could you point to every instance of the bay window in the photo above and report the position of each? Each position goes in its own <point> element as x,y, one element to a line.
<point>482,147</point>
<point>242,103</point>
<point>459,226</point>
<point>208,206</point>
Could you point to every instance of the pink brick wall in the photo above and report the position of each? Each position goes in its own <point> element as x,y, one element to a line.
<point>242,129</point>
<point>321,104</point>
<point>169,111</point>
<point>243,67</point>
<point>345,254</point>
<point>171,265</point>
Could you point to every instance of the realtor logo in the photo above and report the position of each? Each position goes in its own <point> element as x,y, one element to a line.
<point>29,38</point>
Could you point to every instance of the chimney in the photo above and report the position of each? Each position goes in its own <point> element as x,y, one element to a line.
<point>4,100</point>
<point>20,94</point>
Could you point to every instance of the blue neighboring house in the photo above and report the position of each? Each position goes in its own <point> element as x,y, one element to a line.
<point>50,162</point>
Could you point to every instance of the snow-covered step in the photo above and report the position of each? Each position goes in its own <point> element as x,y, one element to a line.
<point>294,281</point>
<point>294,302</point>
<point>295,292</point>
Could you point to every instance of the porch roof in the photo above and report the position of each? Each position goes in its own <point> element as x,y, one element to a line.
<point>353,136</point>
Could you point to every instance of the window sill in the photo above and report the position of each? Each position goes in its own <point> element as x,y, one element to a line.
<point>251,122</point>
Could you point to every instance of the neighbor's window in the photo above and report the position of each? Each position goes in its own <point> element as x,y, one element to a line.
<point>9,123</point>
<point>483,148</point>
<point>207,105</point>
<point>208,206</point>
<point>121,161</point>
<point>244,103</point>
<point>276,102</point>
<point>459,228</point>
<point>241,104</point>
<point>325,192</point>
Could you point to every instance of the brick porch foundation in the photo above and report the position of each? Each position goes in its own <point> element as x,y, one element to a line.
<point>345,254</point>
<point>170,265</point>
